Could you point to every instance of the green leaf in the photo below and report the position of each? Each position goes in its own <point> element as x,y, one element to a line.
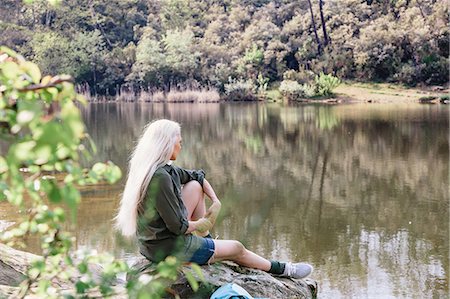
<point>114,174</point>
<point>10,69</point>
<point>99,168</point>
<point>3,165</point>
<point>105,289</point>
<point>198,270</point>
<point>83,268</point>
<point>72,121</point>
<point>25,116</point>
<point>62,152</point>
<point>59,214</point>
<point>33,273</point>
<point>23,151</point>
<point>43,154</point>
<point>43,285</point>
<point>8,51</point>
<point>53,192</point>
<point>192,281</point>
<point>32,70</point>
<point>81,287</point>
<point>71,197</point>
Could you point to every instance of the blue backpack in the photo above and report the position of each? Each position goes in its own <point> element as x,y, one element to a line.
<point>231,291</point>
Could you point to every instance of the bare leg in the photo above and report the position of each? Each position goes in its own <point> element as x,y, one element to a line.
<point>234,251</point>
<point>194,200</point>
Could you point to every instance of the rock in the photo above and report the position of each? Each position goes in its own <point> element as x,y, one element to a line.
<point>13,292</point>
<point>437,88</point>
<point>428,100</point>
<point>13,267</point>
<point>7,291</point>
<point>14,264</point>
<point>258,283</point>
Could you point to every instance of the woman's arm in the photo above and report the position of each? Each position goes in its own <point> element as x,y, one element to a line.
<point>206,223</point>
<point>213,211</point>
<point>208,190</point>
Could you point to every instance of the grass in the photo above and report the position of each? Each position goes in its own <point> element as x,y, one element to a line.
<point>187,95</point>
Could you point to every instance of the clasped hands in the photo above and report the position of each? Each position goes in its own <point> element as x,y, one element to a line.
<point>206,223</point>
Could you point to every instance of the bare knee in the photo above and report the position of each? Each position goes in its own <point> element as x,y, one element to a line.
<point>193,186</point>
<point>238,249</point>
<point>194,200</point>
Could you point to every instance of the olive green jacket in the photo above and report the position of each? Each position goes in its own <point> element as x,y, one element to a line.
<point>162,216</point>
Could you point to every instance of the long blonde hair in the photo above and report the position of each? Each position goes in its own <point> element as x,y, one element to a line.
<point>153,150</point>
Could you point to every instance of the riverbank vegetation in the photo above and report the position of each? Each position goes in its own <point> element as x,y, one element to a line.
<point>234,47</point>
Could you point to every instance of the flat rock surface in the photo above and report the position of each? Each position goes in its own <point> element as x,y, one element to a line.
<point>256,282</point>
<point>259,284</point>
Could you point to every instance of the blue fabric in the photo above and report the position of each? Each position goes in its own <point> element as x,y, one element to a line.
<point>202,255</point>
<point>231,290</point>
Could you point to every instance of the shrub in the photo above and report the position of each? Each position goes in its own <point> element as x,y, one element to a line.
<point>292,90</point>
<point>309,90</point>
<point>240,90</point>
<point>262,83</point>
<point>302,76</point>
<point>408,74</point>
<point>324,84</point>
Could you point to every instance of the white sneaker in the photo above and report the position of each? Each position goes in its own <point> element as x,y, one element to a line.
<point>297,270</point>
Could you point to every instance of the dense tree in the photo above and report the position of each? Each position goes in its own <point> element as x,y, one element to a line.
<point>160,43</point>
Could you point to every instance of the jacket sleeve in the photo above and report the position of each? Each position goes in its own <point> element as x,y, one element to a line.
<point>167,204</point>
<point>189,175</point>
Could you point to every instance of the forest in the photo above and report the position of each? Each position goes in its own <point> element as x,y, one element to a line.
<point>221,44</point>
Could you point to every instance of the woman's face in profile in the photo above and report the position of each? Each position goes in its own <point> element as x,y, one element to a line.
<point>176,148</point>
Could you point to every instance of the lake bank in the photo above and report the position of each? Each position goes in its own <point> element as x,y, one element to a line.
<point>349,92</point>
<point>386,93</point>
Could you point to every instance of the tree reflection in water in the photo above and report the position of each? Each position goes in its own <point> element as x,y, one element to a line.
<point>360,191</point>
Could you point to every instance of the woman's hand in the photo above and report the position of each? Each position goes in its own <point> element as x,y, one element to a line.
<point>201,226</point>
<point>213,212</point>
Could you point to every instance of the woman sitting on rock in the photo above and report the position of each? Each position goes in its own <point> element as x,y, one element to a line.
<point>164,206</point>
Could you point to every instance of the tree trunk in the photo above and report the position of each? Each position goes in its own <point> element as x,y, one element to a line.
<point>324,28</point>
<point>319,44</point>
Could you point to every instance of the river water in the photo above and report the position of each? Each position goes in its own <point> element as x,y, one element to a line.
<point>360,191</point>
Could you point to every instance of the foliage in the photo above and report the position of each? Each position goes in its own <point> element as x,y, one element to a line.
<point>210,41</point>
<point>240,90</point>
<point>79,56</point>
<point>292,90</point>
<point>262,83</point>
<point>40,172</point>
<point>324,84</point>
<point>153,281</point>
<point>164,62</point>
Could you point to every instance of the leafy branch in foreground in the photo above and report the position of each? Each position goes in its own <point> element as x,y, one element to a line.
<point>43,134</point>
<point>44,138</point>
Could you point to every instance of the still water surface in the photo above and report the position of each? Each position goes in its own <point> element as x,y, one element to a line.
<point>360,191</point>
